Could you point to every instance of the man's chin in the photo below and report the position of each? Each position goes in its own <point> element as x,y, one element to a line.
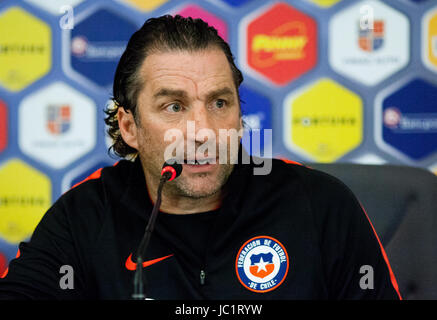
<point>198,188</point>
<point>202,185</point>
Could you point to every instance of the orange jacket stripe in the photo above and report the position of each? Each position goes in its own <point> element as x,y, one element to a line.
<point>95,175</point>
<point>392,276</point>
<point>290,161</point>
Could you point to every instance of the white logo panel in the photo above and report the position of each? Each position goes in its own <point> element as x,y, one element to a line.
<point>371,45</point>
<point>57,125</point>
<point>55,7</point>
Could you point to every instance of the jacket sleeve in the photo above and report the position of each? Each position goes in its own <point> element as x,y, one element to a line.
<point>356,265</point>
<point>47,267</point>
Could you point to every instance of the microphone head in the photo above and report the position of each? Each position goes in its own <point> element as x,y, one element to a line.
<point>173,167</point>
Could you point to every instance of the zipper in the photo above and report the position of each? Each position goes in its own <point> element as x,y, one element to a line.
<point>202,277</point>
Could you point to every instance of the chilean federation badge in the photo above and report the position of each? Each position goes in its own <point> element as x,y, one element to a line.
<point>262,264</point>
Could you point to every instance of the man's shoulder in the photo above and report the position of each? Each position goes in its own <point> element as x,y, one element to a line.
<point>289,169</point>
<point>317,183</point>
<point>102,184</point>
<point>327,196</point>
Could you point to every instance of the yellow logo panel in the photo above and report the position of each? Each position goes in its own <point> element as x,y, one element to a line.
<point>430,40</point>
<point>25,195</point>
<point>146,5</point>
<point>325,3</point>
<point>323,121</point>
<point>25,49</point>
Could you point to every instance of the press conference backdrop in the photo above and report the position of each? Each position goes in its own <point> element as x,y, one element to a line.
<point>335,80</point>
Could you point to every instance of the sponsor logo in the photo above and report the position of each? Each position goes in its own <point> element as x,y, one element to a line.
<point>58,119</point>
<point>371,39</point>
<point>392,117</point>
<point>130,265</point>
<point>25,194</point>
<point>83,49</point>
<point>78,46</point>
<point>323,121</point>
<point>22,49</point>
<point>406,120</point>
<point>281,43</point>
<point>92,56</point>
<point>270,49</point>
<point>262,264</point>
<point>21,200</point>
<point>25,49</point>
<point>409,122</point>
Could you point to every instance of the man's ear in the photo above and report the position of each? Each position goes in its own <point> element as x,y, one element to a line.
<point>128,127</point>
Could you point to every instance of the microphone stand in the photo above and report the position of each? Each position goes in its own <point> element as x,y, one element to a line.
<point>138,278</point>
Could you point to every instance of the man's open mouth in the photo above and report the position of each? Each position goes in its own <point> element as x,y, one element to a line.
<point>200,161</point>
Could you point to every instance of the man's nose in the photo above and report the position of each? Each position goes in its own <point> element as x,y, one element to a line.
<point>201,117</point>
<point>200,126</point>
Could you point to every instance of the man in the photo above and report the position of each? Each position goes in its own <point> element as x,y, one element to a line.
<point>222,232</point>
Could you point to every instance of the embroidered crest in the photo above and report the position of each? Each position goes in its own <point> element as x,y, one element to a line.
<point>262,264</point>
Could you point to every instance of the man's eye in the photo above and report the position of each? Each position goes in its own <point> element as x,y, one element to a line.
<point>220,103</point>
<point>174,107</point>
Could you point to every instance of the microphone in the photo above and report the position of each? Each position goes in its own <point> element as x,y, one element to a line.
<point>172,167</point>
<point>170,171</point>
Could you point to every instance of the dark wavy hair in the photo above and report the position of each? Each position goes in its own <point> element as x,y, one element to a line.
<point>162,34</point>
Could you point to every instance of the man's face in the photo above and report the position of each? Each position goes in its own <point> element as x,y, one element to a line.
<point>184,89</point>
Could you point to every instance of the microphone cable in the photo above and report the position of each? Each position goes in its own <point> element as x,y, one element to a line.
<point>170,171</point>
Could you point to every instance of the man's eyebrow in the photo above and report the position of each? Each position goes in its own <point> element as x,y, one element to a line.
<point>219,92</point>
<point>166,92</point>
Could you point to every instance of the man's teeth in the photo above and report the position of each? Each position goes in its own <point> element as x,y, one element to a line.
<point>198,162</point>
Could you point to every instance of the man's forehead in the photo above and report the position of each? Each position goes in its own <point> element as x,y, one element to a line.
<point>180,68</point>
